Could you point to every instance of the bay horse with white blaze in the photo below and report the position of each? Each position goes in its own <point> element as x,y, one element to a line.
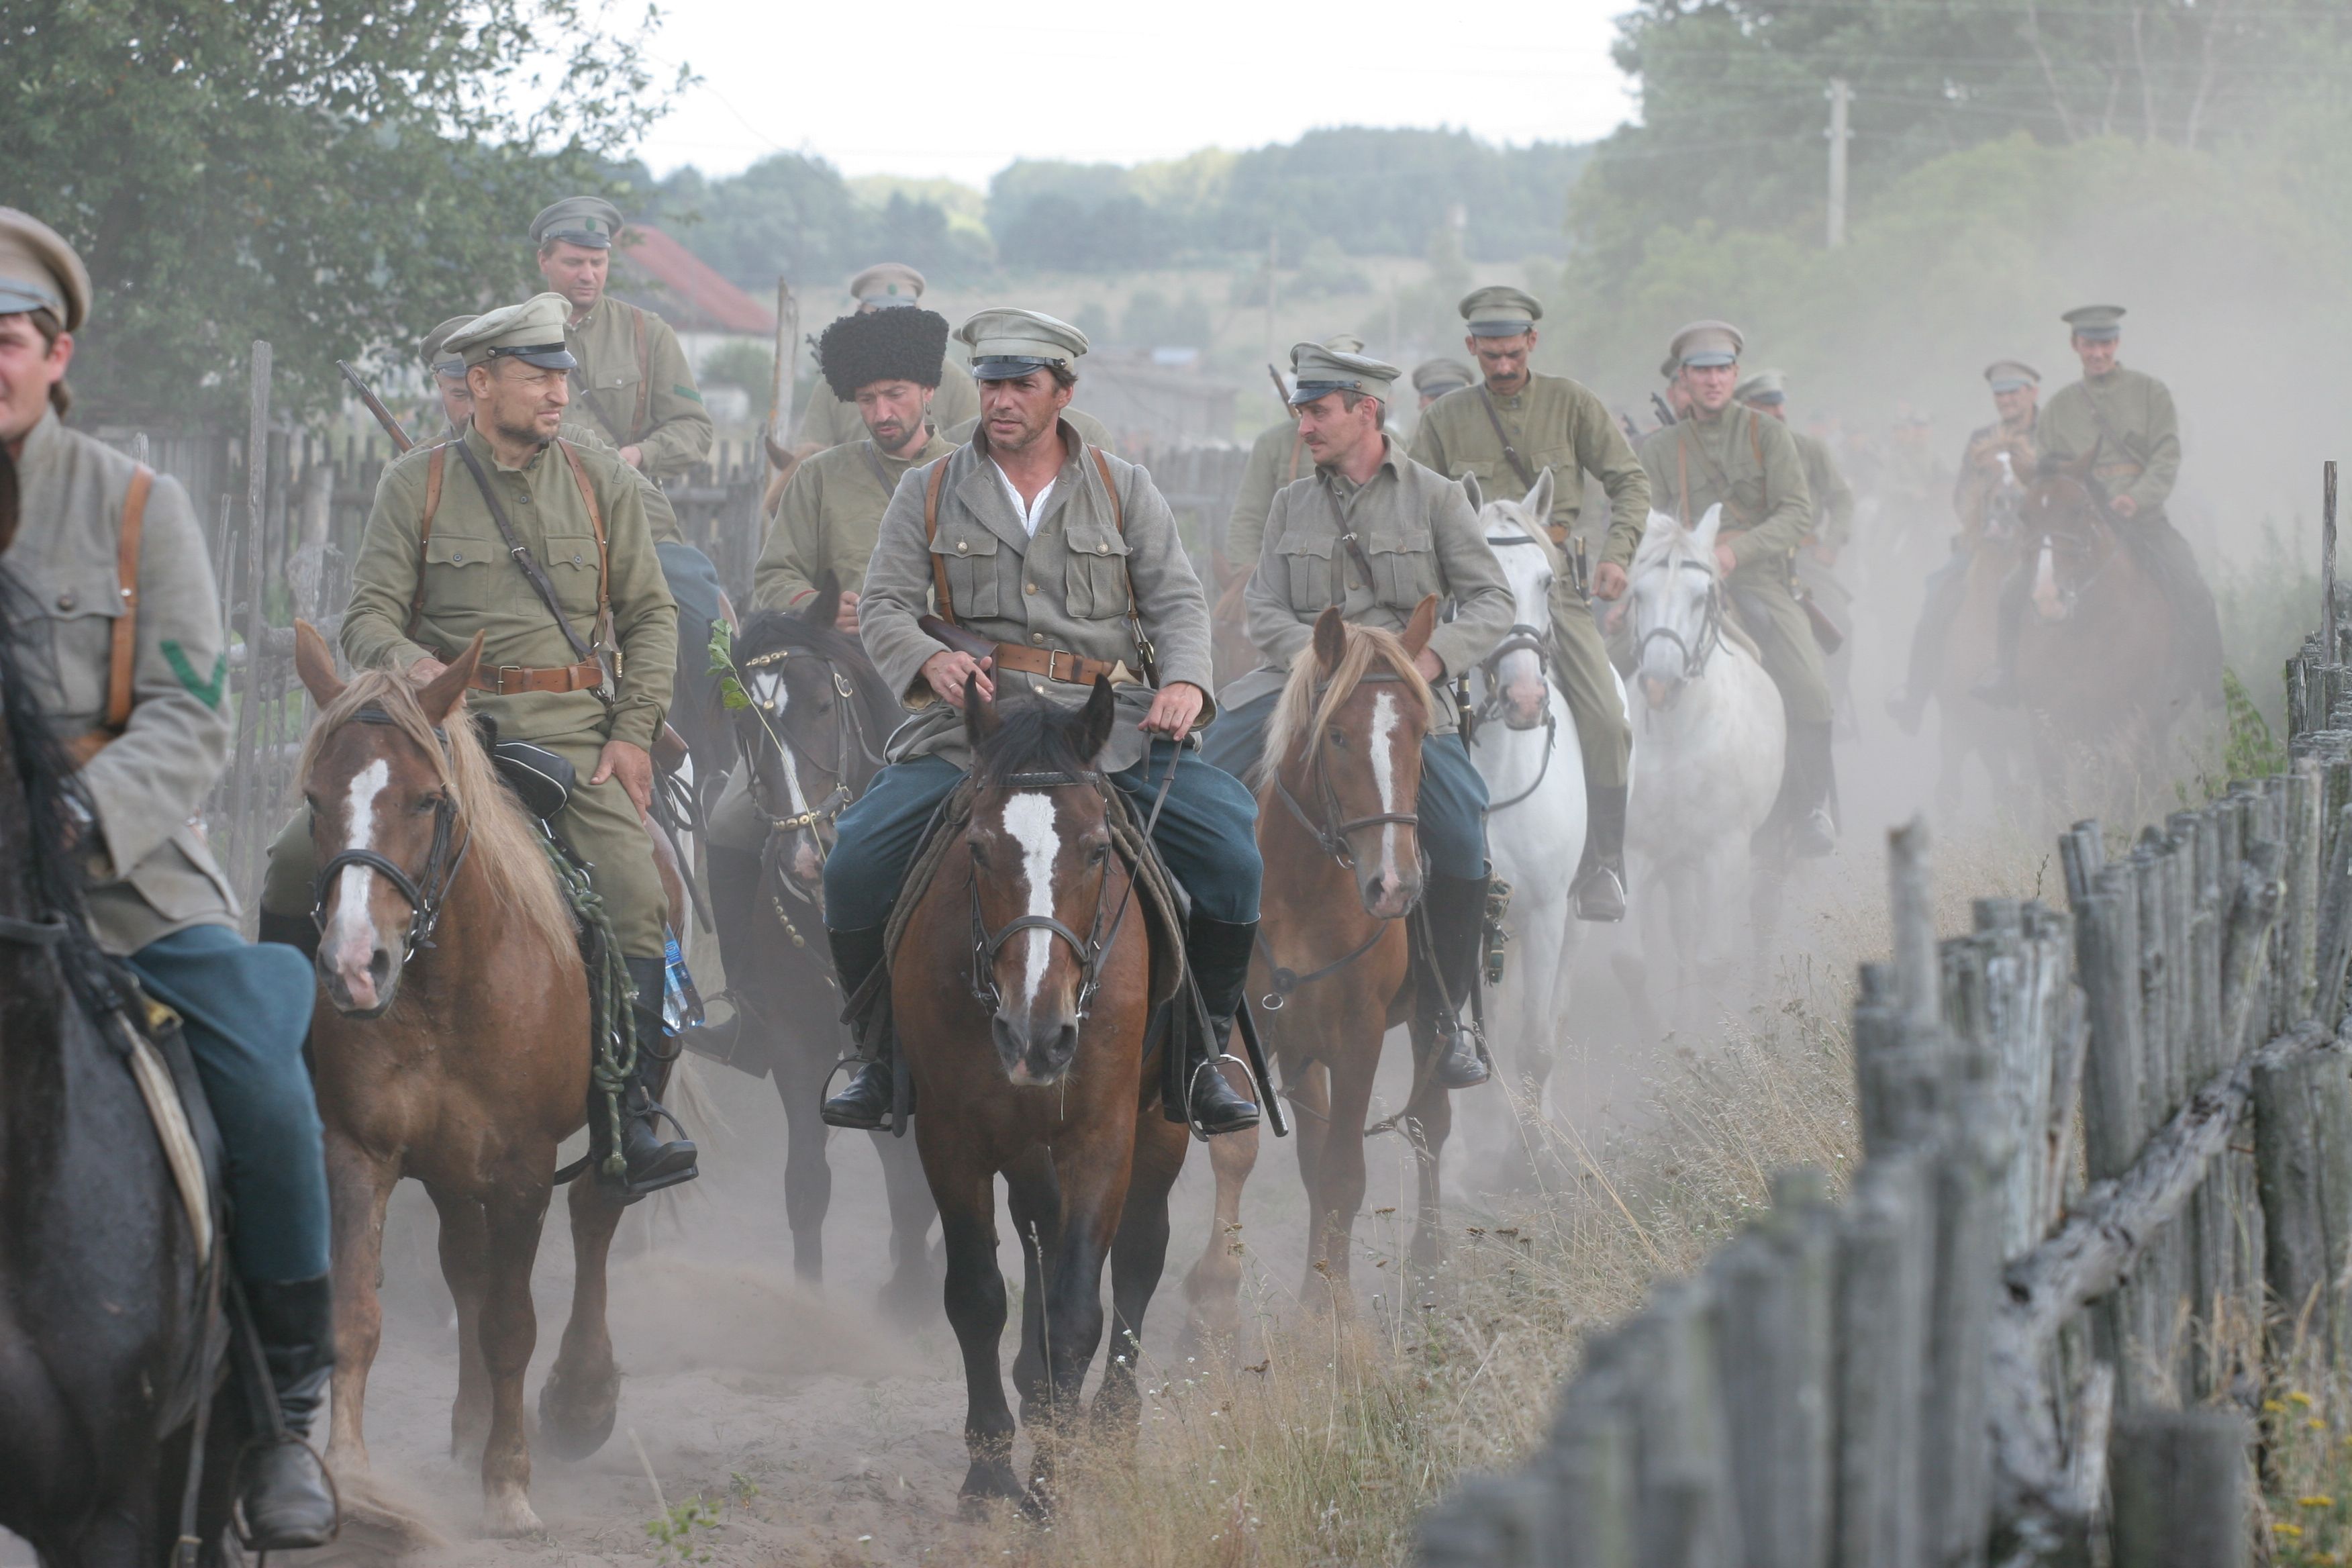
<point>462,1062</point>
<point>1027,1042</point>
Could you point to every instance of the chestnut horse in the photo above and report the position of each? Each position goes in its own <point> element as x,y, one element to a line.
<point>1336,787</point>
<point>2096,652</point>
<point>1026,1043</point>
<point>461,1062</point>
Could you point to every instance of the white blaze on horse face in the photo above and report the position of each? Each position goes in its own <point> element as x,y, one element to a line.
<point>1385,715</point>
<point>768,691</point>
<point>1030,818</point>
<point>349,937</point>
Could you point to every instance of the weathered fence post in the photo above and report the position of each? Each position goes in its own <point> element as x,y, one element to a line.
<point>2303,1152</point>
<point>1772,1286</point>
<point>1884,1251</point>
<point>2178,1480</point>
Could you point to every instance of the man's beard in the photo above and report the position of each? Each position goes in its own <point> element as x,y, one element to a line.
<point>521,436</point>
<point>890,435</point>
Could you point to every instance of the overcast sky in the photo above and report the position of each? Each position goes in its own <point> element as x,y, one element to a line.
<point>931,87</point>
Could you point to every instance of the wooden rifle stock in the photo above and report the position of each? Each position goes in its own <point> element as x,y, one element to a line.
<point>955,637</point>
<point>374,405</point>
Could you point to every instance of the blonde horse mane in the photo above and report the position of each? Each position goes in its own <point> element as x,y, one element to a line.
<point>1303,710</point>
<point>505,847</point>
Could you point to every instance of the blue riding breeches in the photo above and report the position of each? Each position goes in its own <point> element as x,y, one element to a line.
<point>1207,834</point>
<point>245,1011</point>
<point>1451,802</point>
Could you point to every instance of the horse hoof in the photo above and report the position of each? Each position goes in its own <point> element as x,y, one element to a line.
<point>507,1514</point>
<point>575,1418</point>
<point>988,1481</point>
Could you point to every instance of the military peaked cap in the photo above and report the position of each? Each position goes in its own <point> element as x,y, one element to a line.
<point>1321,370</point>
<point>435,350</point>
<point>886,284</point>
<point>1436,377</point>
<point>1765,388</point>
<point>40,271</point>
<point>859,350</point>
<point>1007,343</point>
<point>591,221</point>
<point>2097,322</point>
<point>1703,343</point>
<point>531,331</point>
<point>2009,375</point>
<point>1499,311</point>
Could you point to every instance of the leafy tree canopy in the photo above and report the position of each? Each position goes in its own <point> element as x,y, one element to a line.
<point>333,175</point>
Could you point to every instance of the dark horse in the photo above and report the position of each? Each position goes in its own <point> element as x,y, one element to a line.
<point>2099,664</point>
<point>103,1291</point>
<point>1026,1041</point>
<point>810,740</point>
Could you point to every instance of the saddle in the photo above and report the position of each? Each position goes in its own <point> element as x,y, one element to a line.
<point>1160,898</point>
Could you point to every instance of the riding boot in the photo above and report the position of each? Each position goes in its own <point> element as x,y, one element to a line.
<point>1456,908</point>
<point>1219,953</point>
<point>1812,829</point>
<point>1599,885</point>
<point>286,1500</point>
<point>864,1104</point>
<point>295,932</point>
<point>2000,689</point>
<point>732,881</point>
<point>652,1163</point>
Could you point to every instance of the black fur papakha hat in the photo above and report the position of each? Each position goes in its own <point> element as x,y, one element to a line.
<point>906,345</point>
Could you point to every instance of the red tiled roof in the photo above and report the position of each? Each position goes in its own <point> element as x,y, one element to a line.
<point>694,298</point>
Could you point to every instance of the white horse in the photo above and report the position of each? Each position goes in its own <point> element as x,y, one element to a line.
<point>1714,741</point>
<point>1524,743</point>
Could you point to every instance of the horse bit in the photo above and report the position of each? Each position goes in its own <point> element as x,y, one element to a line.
<point>1520,638</point>
<point>426,890</point>
<point>1710,633</point>
<point>852,734</point>
<point>1089,949</point>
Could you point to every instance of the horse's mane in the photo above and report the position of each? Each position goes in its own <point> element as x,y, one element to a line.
<point>1535,528</point>
<point>50,788</point>
<point>1304,710</point>
<point>769,631</point>
<point>506,848</point>
<point>1668,545</point>
<point>1033,736</point>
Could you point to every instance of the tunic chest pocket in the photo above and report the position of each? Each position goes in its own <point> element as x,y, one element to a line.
<point>571,566</point>
<point>1307,559</point>
<point>1094,580</point>
<point>969,554</point>
<point>1404,567</point>
<point>80,605</point>
<point>462,572</point>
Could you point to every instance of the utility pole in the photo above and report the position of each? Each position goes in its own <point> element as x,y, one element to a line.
<point>1841,95</point>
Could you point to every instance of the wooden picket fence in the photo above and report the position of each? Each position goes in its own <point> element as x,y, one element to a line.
<point>2001,1346</point>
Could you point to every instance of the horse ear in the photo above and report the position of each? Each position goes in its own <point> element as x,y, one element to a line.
<point>825,603</point>
<point>1095,721</point>
<point>1709,527</point>
<point>315,665</point>
<point>450,686</point>
<point>1660,526</point>
<point>1470,488</point>
<point>1423,622</point>
<point>1538,502</point>
<point>1330,640</point>
<point>979,716</point>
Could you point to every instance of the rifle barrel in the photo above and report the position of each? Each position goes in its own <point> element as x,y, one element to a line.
<point>374,405</point>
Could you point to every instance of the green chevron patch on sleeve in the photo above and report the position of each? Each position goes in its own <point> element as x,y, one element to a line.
<point>686,391</point>
<point>207,693</point>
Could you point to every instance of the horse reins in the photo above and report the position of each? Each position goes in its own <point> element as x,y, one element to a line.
<point>430,887</point>
<point>1520,638</point>
<point>855,748</point>
<point>1710,633</point>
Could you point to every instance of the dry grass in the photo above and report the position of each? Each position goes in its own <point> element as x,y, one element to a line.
<point>1323,1441</point>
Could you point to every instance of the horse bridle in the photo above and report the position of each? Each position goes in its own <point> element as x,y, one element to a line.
<point>1710,633</point>
<point>1520,638</point>
<point>1102,933</point>
<point>855,749</point>
<point>425,891</point>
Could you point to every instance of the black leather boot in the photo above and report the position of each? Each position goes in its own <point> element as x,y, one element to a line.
<point>863,1104</point>
<point>2000,689</point>
<point>733,883</point>
<point>295,932</point>
<point>1219,953</point>
<point>1456,912</point>
<point>652,1163</point>
<point>286,1500</point>
<point>1599,885</point>
<point>1812,829</point>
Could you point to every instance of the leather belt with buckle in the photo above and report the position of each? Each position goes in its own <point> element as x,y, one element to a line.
<point>511,679</point>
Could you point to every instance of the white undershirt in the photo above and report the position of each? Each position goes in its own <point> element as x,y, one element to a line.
<point>1032,514</point>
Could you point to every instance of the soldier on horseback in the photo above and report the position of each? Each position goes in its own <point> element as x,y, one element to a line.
<point>462,537</point>
<point>1999,460</point>
<point>1067,561</point>
<point>1724,453</point>
<point>835,417</point>
<point>1278,458</point>
<point>1375,532</point>
<point>2119,422</point>
<point>1515,422</point>
<point>133,670</point>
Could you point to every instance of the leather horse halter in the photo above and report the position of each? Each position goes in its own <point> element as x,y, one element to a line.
<point>1710,633</point>
<point>854,748</point>
<point>1101,933</point>
<point>425,891</point>
<point>1333,837</point>
<point>1520,638</point>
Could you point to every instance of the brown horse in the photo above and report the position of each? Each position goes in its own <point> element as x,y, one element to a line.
<point>1336,787</point>
<point>2095,649</point>
<point>1026,1041</point>
<point>453,1047</point>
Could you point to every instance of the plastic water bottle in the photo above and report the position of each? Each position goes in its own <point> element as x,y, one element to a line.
<point>681,1003</point>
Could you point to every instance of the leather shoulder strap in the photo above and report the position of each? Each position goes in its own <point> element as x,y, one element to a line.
<point>595,523</point>
<point>1756,446</point>
<point>122,658</point>
<point>1118,510</point>
<point>1510,453</point>
<point>1682,475</point>
<point>930,535</point>
<point>645,375</point>
<point>433,467</point>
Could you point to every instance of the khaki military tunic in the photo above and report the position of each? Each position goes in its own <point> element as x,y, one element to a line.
<point>827,519</point>
<point>1832,496</point>
<point>151,872</point>
<point>660,515</point>
<point>1975,484</point>
<point>472,584</point>
<point>1749,465</point>
<point>1417,530</point>
<point>1278,458</point>
<point>1066,588</point>
<point>1091,430</point>
<point>827,421</point>
<point>633,385</point>
<point>1560,425</point>
<point>2125,424</point>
